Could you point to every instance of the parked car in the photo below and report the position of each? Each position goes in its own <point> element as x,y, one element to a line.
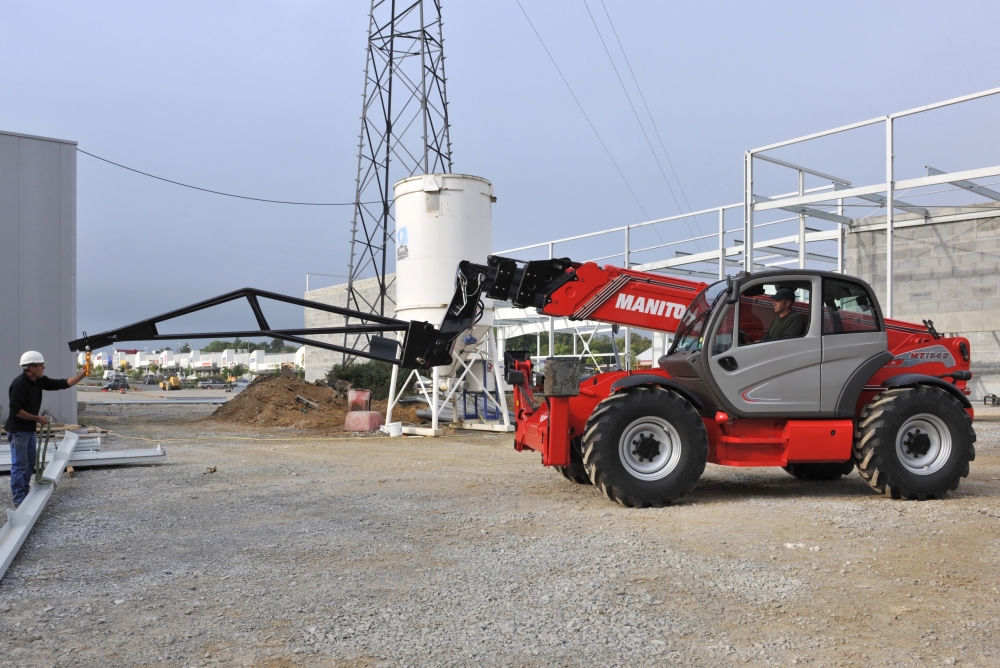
<point>116,385</point>
<point>213,384</point>
<point>149,380</point>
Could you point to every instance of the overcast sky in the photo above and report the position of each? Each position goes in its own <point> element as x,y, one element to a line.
<point>263,99</point>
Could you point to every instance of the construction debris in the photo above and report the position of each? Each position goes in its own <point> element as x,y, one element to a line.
<point>274,401</point>
<point>302,400</point>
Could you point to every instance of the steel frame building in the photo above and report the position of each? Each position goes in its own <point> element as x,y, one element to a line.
<point>759,247</point>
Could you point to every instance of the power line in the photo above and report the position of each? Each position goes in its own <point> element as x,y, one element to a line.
<point>643,97</point>
<point>641,126</point>
<point>216,192</point>
<point>580,106</point>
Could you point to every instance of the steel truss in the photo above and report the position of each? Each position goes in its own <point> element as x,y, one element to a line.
<point>404,131</point>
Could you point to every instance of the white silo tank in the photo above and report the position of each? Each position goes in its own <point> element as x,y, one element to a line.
<point>441,219</point>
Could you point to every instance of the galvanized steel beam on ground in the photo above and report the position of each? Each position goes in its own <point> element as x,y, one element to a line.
<point>20,521</point>
<point>85,458</point>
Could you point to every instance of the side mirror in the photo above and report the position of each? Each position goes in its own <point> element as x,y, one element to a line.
<point>731,293</point>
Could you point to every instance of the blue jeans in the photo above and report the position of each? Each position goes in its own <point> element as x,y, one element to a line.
<point>22,463</point>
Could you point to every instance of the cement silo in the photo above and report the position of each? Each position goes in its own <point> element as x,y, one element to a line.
<point>442,219</point>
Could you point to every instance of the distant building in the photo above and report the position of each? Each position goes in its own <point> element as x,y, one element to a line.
<point>945,269</point>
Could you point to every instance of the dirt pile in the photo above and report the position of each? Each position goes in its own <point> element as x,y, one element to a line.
<point>270,402</point>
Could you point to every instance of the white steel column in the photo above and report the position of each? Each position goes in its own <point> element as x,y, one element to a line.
<point>840,239</point>
<point>501,393</point>
<point>802,223</point>
<point>628,343</point>
<point>552,321</point>
<point>748,211</point>
<point>722,244</point>
<point>435,381</point>
<point>392,393</point>
<point>889,202</point>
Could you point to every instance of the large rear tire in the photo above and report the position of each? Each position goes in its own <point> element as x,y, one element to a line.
<point>645,447</point>
<point>817,472</point>
<point>914,443</point>
<point>575,472</point>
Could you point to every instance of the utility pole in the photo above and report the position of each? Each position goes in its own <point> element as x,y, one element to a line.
<point>404,131</point>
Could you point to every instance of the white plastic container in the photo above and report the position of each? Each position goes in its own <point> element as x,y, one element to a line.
<point>441,219</point>
<point>395,429</point>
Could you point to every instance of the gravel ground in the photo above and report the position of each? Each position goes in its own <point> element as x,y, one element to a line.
<point>459,551</point>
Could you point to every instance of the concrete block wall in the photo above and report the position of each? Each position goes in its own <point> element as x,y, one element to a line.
<point>948,272</point>
<point>318,361</point>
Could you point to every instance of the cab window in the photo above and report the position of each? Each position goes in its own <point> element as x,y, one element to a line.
<point>723,340</point>
<point>847,308</point>
<point>760,319</point>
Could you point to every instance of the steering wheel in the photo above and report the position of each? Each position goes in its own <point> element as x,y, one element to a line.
<point>745,339</point>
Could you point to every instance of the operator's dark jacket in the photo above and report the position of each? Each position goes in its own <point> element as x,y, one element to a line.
<point>791,326</point>
<point>27,395</point>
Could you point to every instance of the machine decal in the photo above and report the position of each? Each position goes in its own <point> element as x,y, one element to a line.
<point>651,306</point>
<point>755,400</point>
<point>923,356</point>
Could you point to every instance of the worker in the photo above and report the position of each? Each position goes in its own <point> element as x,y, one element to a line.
<point>788,324</point>
<point>24,418</point>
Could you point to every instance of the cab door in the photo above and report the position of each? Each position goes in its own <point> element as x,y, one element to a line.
<point>853,333</point>
<point>760,376</point>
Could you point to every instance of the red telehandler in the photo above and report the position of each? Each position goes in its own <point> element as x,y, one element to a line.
<point>851,389</point>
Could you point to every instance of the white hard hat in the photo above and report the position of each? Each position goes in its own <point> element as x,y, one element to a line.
<point>32,357</point>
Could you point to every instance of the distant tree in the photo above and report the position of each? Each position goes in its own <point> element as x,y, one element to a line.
<point>279,346</point>
<point>186,348</point>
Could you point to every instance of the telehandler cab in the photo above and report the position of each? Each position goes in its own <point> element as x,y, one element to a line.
<point>849,389</point>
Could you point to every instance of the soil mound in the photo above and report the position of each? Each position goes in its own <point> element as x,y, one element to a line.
<point>270,402</point>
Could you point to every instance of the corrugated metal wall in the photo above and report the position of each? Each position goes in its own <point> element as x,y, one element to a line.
<point>38,261</point>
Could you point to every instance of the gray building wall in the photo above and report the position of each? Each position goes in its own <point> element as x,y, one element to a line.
<point>318,361</point>
<point>38,262</point>
<point>946,271</point>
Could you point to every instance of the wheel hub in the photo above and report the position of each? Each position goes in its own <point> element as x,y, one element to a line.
<point>917,443</point>
<point>923,444</point>
<point>650,448</point>
<point>646,447</point>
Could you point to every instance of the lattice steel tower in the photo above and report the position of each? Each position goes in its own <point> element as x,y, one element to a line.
<point>404,130</point>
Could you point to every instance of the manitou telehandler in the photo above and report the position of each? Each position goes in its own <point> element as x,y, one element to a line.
<point>852,390</point>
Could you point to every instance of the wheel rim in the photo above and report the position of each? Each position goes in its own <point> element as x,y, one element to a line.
<point>650,448</point>
<point>923,444</point>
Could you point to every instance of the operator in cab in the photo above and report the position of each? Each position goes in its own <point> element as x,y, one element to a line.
<point>788,324</point>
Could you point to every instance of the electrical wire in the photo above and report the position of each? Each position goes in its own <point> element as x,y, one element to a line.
<point>216,192</point>
<point>641,126</point>
<point>643,98</point>
<point>580,106</point>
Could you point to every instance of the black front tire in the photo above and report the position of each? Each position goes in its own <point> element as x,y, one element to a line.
<point>817,472</point>
<point>645,447</point>
<point>914,443</point>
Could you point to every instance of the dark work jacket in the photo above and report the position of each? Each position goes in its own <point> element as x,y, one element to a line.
<point>27,395</point>
<point>791,326</point>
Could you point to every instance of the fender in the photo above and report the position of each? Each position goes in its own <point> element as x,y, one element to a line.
<point>654,379</point>
<point>848,400</point>
<point>911,379</point>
